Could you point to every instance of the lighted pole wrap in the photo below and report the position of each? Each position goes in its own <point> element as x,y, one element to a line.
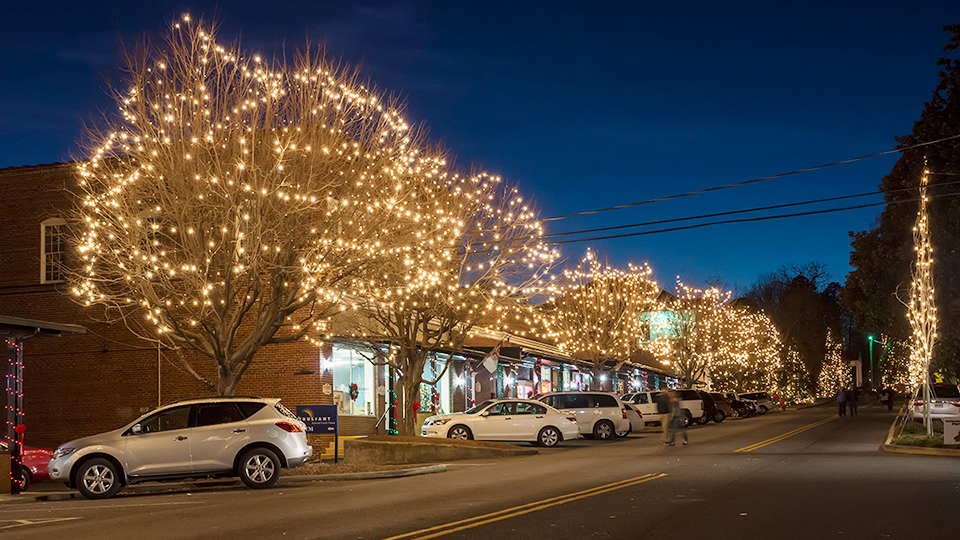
<point>922,310</point>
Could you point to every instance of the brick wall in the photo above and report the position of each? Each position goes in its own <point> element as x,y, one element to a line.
<point>79,385</point>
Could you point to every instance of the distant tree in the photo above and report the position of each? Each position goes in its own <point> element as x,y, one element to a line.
<point>881,257</point>
<point>596,316</point>
<point>803,307</point>
<point>698,317</point>
<point>233,199</point>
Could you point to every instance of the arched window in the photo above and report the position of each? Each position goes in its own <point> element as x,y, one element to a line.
<point>53,250</point>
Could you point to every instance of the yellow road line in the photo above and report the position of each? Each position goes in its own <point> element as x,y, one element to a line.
<point>447,528</point>
<point>778,438</point>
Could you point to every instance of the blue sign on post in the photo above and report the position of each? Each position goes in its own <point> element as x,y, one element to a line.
<point>319,418</point>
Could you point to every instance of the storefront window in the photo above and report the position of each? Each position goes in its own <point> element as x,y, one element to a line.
<point>350,368</point>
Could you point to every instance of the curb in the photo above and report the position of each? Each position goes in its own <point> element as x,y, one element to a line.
<point>887,446</point>
<point>190,486</point>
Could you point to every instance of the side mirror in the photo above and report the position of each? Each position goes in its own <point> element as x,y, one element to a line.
<point>135,429</point>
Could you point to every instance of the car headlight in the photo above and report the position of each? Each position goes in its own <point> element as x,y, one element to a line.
<point>63,451</point>
<point>440,421</point>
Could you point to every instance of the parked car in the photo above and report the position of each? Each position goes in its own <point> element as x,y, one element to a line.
<point>763,400</point>
<point>944,402</point>
<point>34,464</point>
<point>637,424</point>
<point>600,415</point>
<point>505,420</point>
<point>722,406</point>
<point>743,408</point>
<point>710,409</point>
<point>249,437</point>
<point>647,408</point>
<point>691,404</point>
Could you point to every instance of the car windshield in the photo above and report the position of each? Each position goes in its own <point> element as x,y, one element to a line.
<point>479,407</point>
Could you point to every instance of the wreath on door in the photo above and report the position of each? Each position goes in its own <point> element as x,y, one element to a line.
<point>354,391</point>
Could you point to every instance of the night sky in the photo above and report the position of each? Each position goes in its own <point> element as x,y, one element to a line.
<point>585,105</point>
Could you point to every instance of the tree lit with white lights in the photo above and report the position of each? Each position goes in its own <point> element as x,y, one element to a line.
<point>233,199</point>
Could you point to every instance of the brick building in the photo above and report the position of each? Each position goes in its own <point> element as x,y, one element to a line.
<point>84,384</point>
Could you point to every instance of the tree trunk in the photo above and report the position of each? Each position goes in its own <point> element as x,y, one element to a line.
<point>406,412</point>
<point>226,381</point>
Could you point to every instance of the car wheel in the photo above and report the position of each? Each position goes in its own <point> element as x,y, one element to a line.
<point>763,410</point>
<point>703,420</point>
<point>687,418</point>
<point>98,479</point>
<point>549,437</point>
<point>460,432</point>
<point>622,434</point>
<point>24,478</point>
<point>259,468</point>
<point>719,417</point>
<point>603,430</point>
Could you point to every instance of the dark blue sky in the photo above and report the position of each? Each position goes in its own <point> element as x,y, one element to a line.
<point>585,105</point>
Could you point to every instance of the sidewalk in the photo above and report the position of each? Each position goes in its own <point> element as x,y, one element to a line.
<point>55,491</point>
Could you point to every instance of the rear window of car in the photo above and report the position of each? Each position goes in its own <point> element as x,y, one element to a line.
<point>250,408</point>
<point>689,394</point>
<point>640,399</point>
<point>530,408</point>
<point>285,411</point>
<point>211,414</point>
<point>603,400</point>
<point>946,391</point>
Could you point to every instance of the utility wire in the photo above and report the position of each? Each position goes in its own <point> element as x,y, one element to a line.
<point>745,220</point>
<point>755,180</point>
<point>720,214</point>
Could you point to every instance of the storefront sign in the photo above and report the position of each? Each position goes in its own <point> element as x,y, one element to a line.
<point>318,418</point>
<point>951,432</point>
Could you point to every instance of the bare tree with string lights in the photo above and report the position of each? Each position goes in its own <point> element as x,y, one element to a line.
<point>233,199</point>
<point>596,315</point>
<point>921,307</point>
<point>480,259</point>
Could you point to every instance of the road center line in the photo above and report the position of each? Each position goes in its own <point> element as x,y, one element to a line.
<point>786,435</point>
<point>447,528</point>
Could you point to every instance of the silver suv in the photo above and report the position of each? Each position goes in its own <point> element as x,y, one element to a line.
<point>249,437</point>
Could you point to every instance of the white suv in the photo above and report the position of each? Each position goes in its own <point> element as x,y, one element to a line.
<point>600,415</point>
<point>944,402</point>
<point>249,437</point>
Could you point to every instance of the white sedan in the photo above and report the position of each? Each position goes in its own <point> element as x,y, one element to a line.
<point>505,420</point>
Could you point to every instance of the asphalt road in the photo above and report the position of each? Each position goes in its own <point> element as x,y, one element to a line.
<point>793,475</point>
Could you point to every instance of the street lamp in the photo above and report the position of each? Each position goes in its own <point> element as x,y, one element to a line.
<point>873,385</point>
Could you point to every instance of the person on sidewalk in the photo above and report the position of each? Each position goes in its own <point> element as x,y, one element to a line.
<point>678,423</point>
<point>663,411</point>
<point>852,400</point>
<point>842,402</point>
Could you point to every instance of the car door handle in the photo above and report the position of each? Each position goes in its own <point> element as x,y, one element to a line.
<point>539,416</point>
<point>180,438</point>
<point>238,430</point>
<point>507,418</point>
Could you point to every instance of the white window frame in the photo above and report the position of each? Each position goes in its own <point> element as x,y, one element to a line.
<point>44,263</point>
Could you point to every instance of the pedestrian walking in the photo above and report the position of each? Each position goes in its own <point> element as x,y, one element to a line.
<point>842,402</point>
<point>885,399</point>
<point>852,400</point>
<point>678,422</point>
<point>663,411</point>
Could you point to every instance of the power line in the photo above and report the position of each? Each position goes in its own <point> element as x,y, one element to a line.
<point>755,180</point>
<point>720,214</point>
<point>746,220</point>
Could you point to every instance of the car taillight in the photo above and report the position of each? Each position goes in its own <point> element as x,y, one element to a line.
<point>572,419</point>
<point>918,404</point>
<point>624,412</point>
<point>289,427</point>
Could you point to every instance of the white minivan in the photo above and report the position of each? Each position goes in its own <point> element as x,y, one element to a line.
<point>600,415</point>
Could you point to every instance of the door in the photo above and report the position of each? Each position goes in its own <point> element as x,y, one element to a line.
<point>528,420</point>
<point>162,446</point>
<point>497,425</point>
<point>219,433</point>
